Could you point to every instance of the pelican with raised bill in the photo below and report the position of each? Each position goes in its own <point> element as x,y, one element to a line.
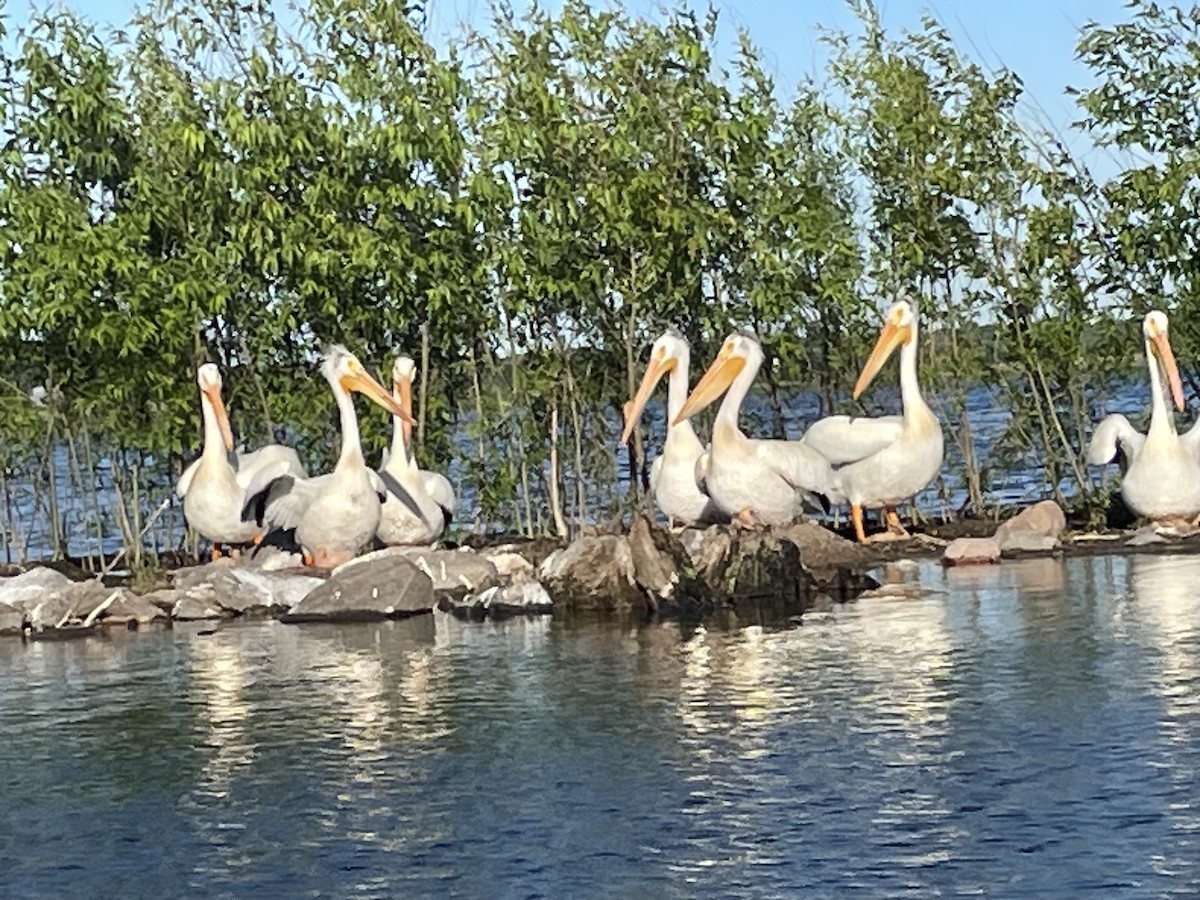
<point>673,475</point>
<point>1161,469</point>
<point>421,503</point>
<point>751,480</point>
<point>335,514</point>
<point>213,487</point>
<point>885,460</point>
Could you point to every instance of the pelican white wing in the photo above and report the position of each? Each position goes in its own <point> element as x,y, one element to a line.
<point>847,439</point>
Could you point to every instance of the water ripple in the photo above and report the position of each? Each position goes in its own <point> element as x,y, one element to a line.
<point>1026,729</point>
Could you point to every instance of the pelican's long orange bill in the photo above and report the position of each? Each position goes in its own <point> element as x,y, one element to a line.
<point>214,397</point>
<point>714,383</point>
<point>402,391</point>
<point>633,411</point>
<point>890,337</point>
<point>365,384</point>
<point>1162,348</point>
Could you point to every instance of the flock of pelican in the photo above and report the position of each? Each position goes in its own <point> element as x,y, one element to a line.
<point>865,462</point>
<point>234,499</point>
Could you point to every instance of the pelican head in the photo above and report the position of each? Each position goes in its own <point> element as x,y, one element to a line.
<point>404,370</point>
<point>345,373</point>
<point>1158,347</point>
<point>899,329</point>
<point>740,348</point>
<point>208,376</point>
<point>665,356</point>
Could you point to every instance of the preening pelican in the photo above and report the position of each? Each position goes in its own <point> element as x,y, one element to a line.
<point>420,502</point>
<point>673,474</point>
<point>1161,469</point>
<point>886,460</point>
<point>754,481</point>
<point>334,514</point>
<point>213,487</point>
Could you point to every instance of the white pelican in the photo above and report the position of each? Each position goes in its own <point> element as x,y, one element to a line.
<point>334,514</point>
<point>886,460</point>
<point>754,481</point>
<point>673,475</point>
<point>420,502</point>
<point>1161,469</point>
<point>213,487</point>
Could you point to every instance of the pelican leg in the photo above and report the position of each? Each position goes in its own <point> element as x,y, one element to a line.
<point>216,552</point>
<point>893,522</point>
<point>856,518</point>
<point>258,539</point>
<point>306,558</point>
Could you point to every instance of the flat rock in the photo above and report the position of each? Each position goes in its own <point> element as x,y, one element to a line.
<point>193,576</point>
<point>454,573</point>
<point>164,598</point>
<point>971,552</point>
<point>518,598</point>
<point>11,620</point>
<point>374,587</point>
<point>131,607</point>
<point>253,592</point>
<point>198,603</point>
<point>1145,536</point>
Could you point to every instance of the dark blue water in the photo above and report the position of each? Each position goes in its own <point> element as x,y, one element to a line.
<point>1030,729</point>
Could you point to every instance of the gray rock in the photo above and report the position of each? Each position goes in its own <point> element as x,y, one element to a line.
<point>194,576</point>
<point>1144,536</point>
<point>382,587</point>
<point>131,607</point>
<point>517,598</point>
<point>11,620</point>
<point>971,552</point>
<point>26,590</point>
<point>1044,519</point>
<point>164,598</point>
<point>510,565</point>
<point>253,592</point>
<point>1028,541</point>
<point>653,569</point>
<point>593,573</point>
<point>198,603</point>
<point>454,573</point>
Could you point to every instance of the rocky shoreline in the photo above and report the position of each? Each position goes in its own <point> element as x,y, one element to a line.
<point>648,571</point>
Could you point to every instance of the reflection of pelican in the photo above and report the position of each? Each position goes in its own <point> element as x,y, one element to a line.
<point>886,460</point>
<point>422,502</point>
<point>337,513</point>
<point>673,475</point>
<point>752,480</point>
<point>1161,469</point>
<point>213,488</point>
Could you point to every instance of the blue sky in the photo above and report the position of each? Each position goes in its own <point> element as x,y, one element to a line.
<point>1035,38</point>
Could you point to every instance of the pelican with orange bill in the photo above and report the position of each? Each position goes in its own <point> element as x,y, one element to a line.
<point>1161,469</point>
<point>673,482</point>
<point>883,461</point>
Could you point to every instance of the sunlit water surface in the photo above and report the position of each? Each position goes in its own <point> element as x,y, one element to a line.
<point>1031,729</point>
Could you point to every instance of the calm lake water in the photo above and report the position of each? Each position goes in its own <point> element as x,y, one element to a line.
<point>1029,729</point>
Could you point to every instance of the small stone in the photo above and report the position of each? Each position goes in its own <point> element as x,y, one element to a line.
<point>510,566</point>
<point>11,620</point>
<point>1146,535</point>
<point>1028,541</point>
<point>198,603</point>
<point>1045,518</point>
<point>971,552</point>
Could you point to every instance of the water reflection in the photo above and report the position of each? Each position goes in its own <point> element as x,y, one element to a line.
<point>1029,728</point>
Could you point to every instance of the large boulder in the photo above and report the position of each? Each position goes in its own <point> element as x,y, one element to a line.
<point>198,603</point>
<point>509,564</point>
<point>383,587</point>
<point>593,573</point>
<point>12,620</point>
<point>251,592</point>
<point>1036,528</point>
<point>26,590</point>
<point>129,607</point>
<point>654,569</point>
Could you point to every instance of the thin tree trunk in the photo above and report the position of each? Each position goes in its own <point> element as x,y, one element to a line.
<point>560,523</point>
<point>422,401</point>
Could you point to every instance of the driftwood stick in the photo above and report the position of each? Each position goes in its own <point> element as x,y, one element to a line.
<point>154,518</point>
<point>94,614</point>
